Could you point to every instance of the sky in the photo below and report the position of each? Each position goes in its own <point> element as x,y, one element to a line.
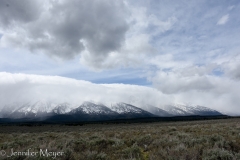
<point>145,51</point>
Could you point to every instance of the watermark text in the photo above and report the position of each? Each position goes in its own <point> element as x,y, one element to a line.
<point>30,153</point>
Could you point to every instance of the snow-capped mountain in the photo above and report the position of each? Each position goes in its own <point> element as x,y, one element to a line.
<point>30,109</point>
<point>34,109</point>
<point>123,108</point>
<point>63,108</point>
<point>157,111</point>
<point>93,111</point>
<point>184,110</point>
<point>37,107</point>
<point>90,111</point>
<point>129,110</point>
<point>8,109</point>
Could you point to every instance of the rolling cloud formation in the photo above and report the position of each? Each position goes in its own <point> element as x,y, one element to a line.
<point>27,88</point>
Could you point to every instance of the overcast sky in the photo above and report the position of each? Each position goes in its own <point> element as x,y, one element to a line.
<point>184,51</point>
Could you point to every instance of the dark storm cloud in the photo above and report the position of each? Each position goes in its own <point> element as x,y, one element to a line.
<point>18,11</point>
<point>66,28</point>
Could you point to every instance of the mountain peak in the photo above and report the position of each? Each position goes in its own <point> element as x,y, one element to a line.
<point>43,108</point>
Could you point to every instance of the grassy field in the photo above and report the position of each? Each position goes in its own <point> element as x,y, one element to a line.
<point>209,139</point>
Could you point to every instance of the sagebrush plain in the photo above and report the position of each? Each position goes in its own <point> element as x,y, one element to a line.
<point>205,139</point>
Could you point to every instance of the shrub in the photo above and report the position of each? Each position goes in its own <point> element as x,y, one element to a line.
<point>217,153</point>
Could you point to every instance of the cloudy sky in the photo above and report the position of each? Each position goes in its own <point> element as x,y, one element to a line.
<point>156,51</point>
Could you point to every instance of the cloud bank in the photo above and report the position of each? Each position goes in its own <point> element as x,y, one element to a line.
<point>24,88</point>
<point>27,88</point>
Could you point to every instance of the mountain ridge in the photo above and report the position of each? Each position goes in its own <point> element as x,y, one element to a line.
<point>41,110</point>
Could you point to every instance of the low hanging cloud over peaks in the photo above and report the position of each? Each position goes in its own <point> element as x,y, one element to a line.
<point>26,88</point>
<point>221,96</point>
<point>207,90</point>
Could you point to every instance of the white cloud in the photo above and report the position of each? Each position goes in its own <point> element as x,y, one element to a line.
<point>23,87</point>
<point>186,85</point>
<point>223,20</point>
<point>172,82</point>
<point>231,67</point>
<point>213,92</point>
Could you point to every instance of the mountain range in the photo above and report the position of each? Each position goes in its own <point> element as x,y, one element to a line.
<point>89,111</point>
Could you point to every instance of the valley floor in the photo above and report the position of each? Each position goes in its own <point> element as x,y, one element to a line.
<point>208,139</point>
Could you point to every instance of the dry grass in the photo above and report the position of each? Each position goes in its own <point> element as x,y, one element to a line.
<point>208,140</point>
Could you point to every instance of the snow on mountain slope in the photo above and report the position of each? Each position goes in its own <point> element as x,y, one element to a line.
<point>157,111</point>
<point>124,108</point>
<point>32,109</point>
<point>182,110</point>
<point>63,108</point>
<point>200,110</point>
<point>39,106</point>
<point>45,108</point>
<point>8,109</point>
<point>92,108</point>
